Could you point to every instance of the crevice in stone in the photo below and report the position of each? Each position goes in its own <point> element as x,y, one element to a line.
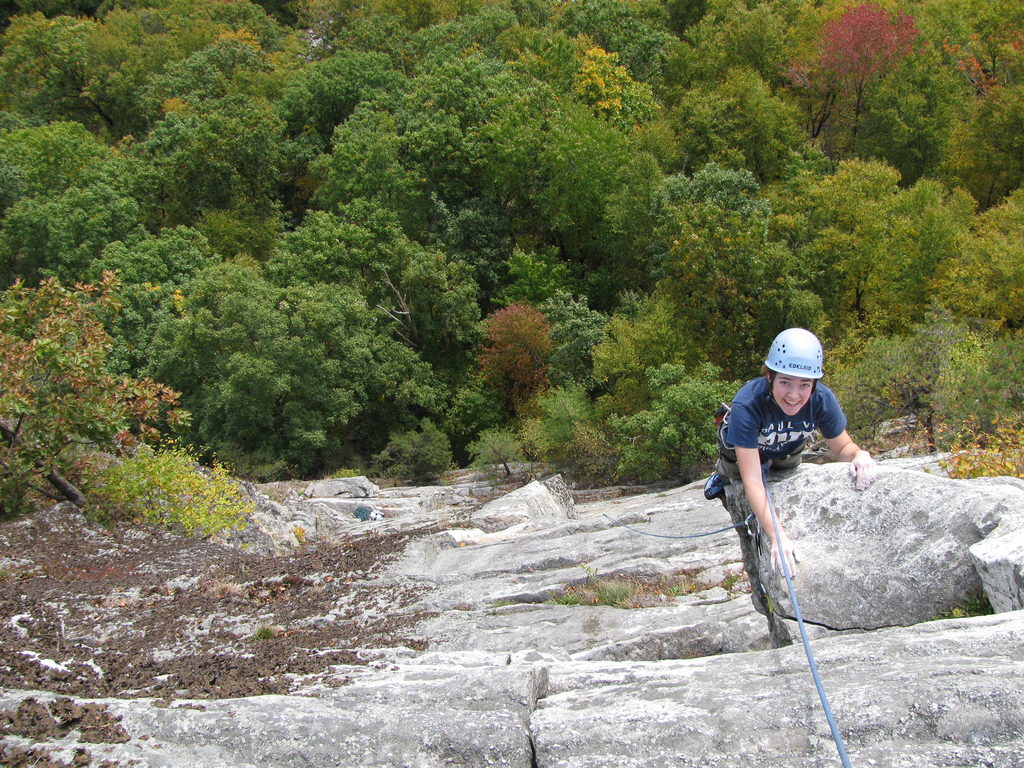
<point>823,625</point>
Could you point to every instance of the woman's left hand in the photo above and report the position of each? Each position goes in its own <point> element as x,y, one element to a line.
<point>864,470</point>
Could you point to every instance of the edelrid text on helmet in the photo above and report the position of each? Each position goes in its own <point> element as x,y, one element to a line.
<point>798,352</point>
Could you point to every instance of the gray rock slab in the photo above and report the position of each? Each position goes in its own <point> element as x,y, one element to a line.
<point>938,695</point>
<point>531,566</point>
<point>417,716</point>
<point>490,591</point>
<point>679,631</point>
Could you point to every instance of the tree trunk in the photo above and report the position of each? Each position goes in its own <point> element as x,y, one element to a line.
<point>66,489</point>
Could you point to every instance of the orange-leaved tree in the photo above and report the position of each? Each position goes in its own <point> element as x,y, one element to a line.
<point>514,358</point>
<point>58,401</point>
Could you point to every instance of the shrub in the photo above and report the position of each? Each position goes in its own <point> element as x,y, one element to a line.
<point>58,397</point>
<point>168,488</point>
<point>999,453</point>
<point>561,411</point>
<point>923,374</point>
<point>495,447</point>
<point>677,433</point>
<point>567,434</point>
<point>418,455</point>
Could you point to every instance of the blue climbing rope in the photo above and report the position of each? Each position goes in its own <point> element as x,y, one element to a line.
<point>836,736</point>
<point>749,520</point>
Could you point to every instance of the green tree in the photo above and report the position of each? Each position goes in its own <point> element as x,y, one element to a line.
<point>431,299</point>
<point>57,398</point>
<point>227,157</point>
<point>287,381</point>
<point>230,66</point>
<point>728,35</point>
<point>676,435</point>
<point>356,246</point>
<point>45,160</point>
<point>560,412</point>
<point>986,394</point>
<point>635,31</point>
<point>987,151</point>
<point>723,272</point>
<point>575,331</point>
<point>912,115</point>
<point>324,94</point>
<point>62,234</point>
<point>738,124</point>
<point>366,162</point>
<point>496,447</point>
<point>535,277</point>
<point>642,334</point>
<point>44,69</point>
<point>472,408</point>
<point>876,249</point>
<point>433,303</point>
<point>984,276</point>
<point>566,434</point>
<point>418,455</point>
<point>153,271</point>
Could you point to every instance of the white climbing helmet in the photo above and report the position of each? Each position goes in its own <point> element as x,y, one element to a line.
<point>797,352</point>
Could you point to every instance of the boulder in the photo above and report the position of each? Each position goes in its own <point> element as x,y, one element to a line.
<point>896,554</point>
<point>346,487</point>
<point>537,502</point>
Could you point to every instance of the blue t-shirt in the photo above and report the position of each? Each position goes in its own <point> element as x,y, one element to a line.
<point>756,421</point>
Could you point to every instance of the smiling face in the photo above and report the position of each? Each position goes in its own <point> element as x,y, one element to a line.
<point>791,393</point>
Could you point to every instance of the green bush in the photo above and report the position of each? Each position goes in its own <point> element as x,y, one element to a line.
<point>168,488</point>
<point>549,434</point>
<point>950,377</point>
<point>567,434</point>
<point>999,453</point>
<point>418,455</point>
<point>677,434</point>
<point>494,448</point>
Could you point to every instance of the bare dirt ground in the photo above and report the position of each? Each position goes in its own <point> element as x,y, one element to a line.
<point>89,611</point>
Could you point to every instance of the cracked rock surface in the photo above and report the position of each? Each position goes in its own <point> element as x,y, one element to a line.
<point>444,634</point>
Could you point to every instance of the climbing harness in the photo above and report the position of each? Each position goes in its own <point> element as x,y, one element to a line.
<point>749,520</point>
<point>836,736</point>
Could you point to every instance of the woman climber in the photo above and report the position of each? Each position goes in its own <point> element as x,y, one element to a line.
<point>768,424</point>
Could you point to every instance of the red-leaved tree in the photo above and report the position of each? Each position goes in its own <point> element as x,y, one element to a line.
<point>514,358</point>
<point>862,45</point>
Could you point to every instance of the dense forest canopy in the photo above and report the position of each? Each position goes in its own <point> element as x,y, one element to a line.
<point>352,232</point>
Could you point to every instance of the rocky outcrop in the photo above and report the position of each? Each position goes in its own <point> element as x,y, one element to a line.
<point>945,694</point>
<point>911,547</point>
<point>510,674</point>
<point>937,695</point>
